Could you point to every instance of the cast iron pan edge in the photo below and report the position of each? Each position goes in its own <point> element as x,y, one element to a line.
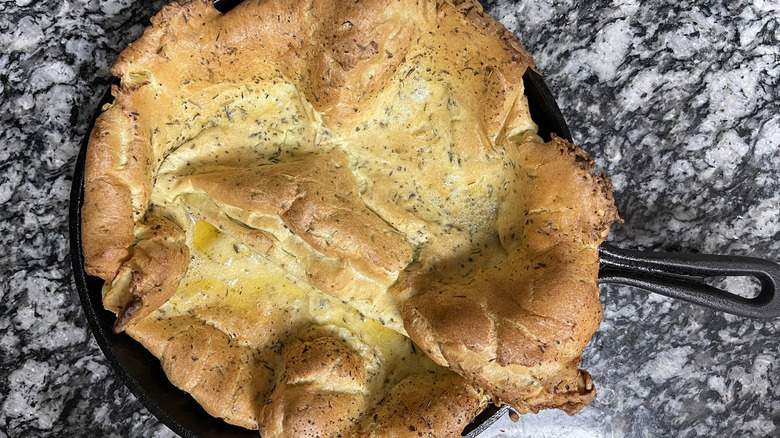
<point>141,372</point>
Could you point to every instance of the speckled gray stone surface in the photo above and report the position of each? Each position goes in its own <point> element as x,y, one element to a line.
<point>678,102</point>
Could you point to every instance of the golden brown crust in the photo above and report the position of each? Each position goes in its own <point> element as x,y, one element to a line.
<point>151,275</point>
<point>435,404</point>
<point>107,212</point>
<point>322,392</point>
<point>227,378</point>
<point>518,328</point>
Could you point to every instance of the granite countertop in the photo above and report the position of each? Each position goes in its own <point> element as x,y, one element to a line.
<point>678,101</point>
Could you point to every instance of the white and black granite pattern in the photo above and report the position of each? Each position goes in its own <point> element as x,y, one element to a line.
<point>677,101</point>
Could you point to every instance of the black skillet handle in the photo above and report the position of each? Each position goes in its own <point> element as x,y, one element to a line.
<point>681,276</point>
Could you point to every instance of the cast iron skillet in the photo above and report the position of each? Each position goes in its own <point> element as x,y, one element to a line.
<point>676,275</point>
